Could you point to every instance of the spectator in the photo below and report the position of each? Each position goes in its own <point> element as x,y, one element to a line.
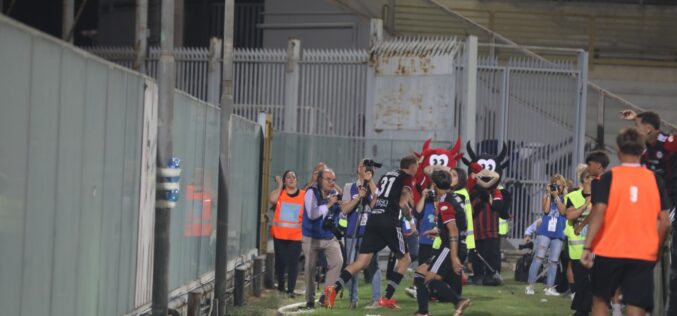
<point>356,206</point>
<point>550,235</point>
<point>578,208</point>
<point>313,177</point>
<point>321,209</point>
<point>286,229</point>
<point>629,223</point>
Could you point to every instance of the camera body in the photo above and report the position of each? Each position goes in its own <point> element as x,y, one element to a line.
<point>370,164</point>
<point>529,245</point>
<point>553,188</point>
<point>431,194</point>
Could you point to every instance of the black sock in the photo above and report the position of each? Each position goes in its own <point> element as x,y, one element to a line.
<point>342,280</point>
<point>393,283</point>
<point>422,296</point>
<point>444,292</point>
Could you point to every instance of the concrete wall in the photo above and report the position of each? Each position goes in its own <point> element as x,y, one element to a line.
<point>653,88</point>
<point>318,23</point>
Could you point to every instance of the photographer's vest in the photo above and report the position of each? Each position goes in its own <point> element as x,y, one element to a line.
<point>314,228</point>
<point>288,216</point>
<point>575,242</point>
<point>553,223</point>
<point>352,219</point>
<point>426,223</point>
<point>470,239</point>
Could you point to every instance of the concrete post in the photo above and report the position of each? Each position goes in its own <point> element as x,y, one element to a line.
<point>166,76</point>
<point>214,70</point>
<point>258,275</point>
<point>141,36</point>
<point>268,279</point>
<point>375,32</point>
<point>221,260</point>
<point>470,90</point>
<point>291,94</point>
<point>194,304</point>
<point>238,292</point>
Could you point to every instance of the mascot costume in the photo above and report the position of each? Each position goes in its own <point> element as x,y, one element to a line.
<point>489,203</point>
<point>431,159</point>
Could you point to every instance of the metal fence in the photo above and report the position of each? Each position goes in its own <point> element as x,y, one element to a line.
<point>77,182</point>
<point>324,89</point>
<point>532,108</point>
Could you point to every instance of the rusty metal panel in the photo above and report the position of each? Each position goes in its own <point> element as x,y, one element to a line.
<point>414,87</point>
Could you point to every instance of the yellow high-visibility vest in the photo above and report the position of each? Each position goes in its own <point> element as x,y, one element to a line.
<point>575,242</point>
<point>470,238</point>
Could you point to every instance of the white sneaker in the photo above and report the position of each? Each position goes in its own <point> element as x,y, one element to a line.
<point>411,291</point>
<point>373,305</point>
<point>529,290</point>
<point>550,291</point>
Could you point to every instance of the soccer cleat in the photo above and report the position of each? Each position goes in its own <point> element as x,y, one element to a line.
<point>329,297</point>
<point>462,305</point>
<point>389,303</point>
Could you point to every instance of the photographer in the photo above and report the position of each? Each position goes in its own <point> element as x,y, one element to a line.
<point>356,201</point>
<point>321,209</point>
<point>286,229</point>
<point>550,235</point>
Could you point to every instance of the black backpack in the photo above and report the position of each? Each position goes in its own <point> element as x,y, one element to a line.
<point>522,267</point>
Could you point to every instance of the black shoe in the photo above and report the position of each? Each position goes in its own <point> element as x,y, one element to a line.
<point>321,300</point>
<point>491,281</point>
<point>291,295</point>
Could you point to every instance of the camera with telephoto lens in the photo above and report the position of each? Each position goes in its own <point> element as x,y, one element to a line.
<point>369,165</point>
<point>331,220</point>
<point>529,245</point>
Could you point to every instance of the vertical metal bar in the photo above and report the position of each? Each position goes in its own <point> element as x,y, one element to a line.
<point>222,213</point>
<point>503,132</point>
<point>164,153</point>
<point>67,19</point>
<point>581,106</point>
<point>600,119</point>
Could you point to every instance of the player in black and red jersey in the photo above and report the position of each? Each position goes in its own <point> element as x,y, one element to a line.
<point>383,229</point>
<point>446,263</point>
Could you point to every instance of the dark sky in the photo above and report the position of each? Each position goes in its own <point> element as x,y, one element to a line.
<point>45,15</point>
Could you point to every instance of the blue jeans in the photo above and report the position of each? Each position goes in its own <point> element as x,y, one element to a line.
<point>542,245</point>
<point>351,252</point>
